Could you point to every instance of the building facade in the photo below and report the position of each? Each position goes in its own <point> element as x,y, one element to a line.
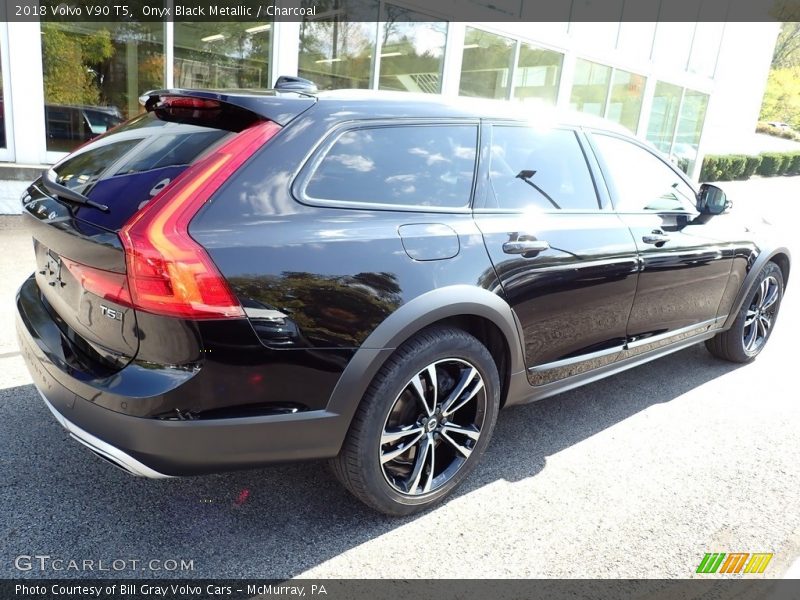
<point>688,87</point>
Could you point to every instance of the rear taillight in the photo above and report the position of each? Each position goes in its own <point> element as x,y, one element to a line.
<point>106,284</point>
<point>168,272</point>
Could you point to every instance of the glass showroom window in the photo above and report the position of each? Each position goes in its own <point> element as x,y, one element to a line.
<point>673,43</point>
<point>664,115</point>
<point>705,48</point>
<point>93,75</point>
<point>486,65</point>
<point>338,53</point>
<point>538,73</point>
<point>222,55</point>
<point>590,87</point>
<point>625,98</point>
<point>690,126</point>
<point>411,51</point>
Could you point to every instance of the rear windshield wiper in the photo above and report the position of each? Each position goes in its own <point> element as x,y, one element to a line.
<point>65,193</point>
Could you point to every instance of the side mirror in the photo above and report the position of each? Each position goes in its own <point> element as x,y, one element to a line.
<point>711,200</point>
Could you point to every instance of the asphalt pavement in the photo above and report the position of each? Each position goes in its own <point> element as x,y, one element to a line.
<point>638,475</point>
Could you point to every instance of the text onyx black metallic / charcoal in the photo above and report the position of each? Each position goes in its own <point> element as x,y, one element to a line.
<point>236,278</point>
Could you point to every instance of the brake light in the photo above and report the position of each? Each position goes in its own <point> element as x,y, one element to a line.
<point>106,284</point>
<point>168,272</point>
<point>186,102</point>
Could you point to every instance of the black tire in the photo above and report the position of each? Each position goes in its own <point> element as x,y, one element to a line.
<point>396,405</point>
<point>747,336</point>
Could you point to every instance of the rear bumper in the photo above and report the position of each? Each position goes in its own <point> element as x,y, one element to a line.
<point>160,448</point>
<point>105,450</point>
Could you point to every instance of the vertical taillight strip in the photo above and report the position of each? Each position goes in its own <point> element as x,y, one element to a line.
<point>168,272</point>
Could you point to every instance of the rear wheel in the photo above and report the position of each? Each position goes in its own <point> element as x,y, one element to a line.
<point>423,424</point>
<point>754,324</point>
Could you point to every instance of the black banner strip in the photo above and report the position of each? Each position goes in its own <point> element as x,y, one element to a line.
<point>364,10</point>
<point>715,587</point>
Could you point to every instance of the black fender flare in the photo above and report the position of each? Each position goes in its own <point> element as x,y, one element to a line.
<point>410,318</point>
<point>766,255</point>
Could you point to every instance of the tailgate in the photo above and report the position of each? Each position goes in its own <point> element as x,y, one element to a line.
<point>97,334</point>
<point>78,208</point>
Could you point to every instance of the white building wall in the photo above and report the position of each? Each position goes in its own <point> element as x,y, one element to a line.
<point>738,87</point>
<point>26,93</point>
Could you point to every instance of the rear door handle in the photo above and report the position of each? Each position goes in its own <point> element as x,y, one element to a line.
<point>525,247</point>
<point>656,237</point>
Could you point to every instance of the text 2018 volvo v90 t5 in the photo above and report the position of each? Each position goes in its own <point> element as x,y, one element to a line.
<point>232,279</point>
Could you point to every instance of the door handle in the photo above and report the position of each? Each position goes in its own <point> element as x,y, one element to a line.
<point>525,247</point>
<point>656,237</point>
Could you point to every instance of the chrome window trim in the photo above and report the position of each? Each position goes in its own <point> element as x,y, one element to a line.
<point>312,160</point>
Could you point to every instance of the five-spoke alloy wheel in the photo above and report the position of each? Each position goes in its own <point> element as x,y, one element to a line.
<point>423,424</point>
<point>433,426</point>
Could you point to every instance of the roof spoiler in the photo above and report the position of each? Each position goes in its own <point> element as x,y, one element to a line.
<point>280,106</point>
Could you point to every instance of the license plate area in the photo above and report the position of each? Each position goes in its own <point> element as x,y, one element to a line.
<point>97,332</point>
<point>53,270</point>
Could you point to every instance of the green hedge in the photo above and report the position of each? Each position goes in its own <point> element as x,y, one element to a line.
<point>771,163</point>
<point>750,167</point>
<point>794,165</point>
<point>737,166</point>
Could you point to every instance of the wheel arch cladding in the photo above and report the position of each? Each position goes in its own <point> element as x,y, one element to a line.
<point>476,310</point>
<point>781,258</point>
<point>778,255</point>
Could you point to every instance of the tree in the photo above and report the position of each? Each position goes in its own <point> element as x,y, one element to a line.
<point>787,48</point>
<point>69,76</point>
<point>782,97</point>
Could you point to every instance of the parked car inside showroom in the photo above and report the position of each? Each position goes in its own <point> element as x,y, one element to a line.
<point>235,278</point>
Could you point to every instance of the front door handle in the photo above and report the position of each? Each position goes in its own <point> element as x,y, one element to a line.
<point>657,237</point>
<point>525,247</point>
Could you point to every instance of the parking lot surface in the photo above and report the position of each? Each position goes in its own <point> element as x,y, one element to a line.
<point>638,475</point>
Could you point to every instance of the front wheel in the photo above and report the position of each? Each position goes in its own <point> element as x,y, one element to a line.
<point>755,322</point>
<point>423,424</point>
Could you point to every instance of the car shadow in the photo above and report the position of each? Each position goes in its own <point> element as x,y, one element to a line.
<point>275,522</point>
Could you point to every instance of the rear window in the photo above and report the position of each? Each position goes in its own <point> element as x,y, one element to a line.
<point>169,150</point>
<point>130,165</point>
<point>404,166</point>
<point>80,172</point>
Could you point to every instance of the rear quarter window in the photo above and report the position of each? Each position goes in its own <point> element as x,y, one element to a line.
<point>429,166</point>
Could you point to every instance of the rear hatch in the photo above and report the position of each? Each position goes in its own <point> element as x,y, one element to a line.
<point>80,206</point>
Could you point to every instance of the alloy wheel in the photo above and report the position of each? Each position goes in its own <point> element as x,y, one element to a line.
<point>761,315</point>
<point>433,426</point>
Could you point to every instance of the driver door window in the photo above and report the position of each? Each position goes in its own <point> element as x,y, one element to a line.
<point>684,267</point>
<point>642,182</point>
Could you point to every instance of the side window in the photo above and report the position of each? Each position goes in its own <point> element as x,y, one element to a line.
<point>641,180</point>
<point>545,169</point>
<point>414,165</point>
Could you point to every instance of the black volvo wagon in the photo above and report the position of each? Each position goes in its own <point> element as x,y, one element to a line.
<point>236,278</point>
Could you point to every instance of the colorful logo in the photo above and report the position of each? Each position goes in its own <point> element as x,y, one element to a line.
<point>735,562</point>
